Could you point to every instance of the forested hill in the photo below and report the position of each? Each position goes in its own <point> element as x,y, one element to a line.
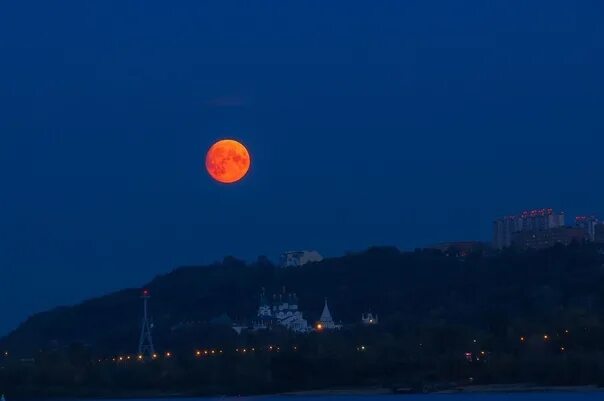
<point>487,292</point>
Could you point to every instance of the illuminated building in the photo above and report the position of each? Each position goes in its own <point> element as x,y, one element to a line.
<point>528,221</point>
<point>369,319</point>
<point>283,312</point>
<point>326,322</point>
<point>299,258</point>
<point>541,219</point>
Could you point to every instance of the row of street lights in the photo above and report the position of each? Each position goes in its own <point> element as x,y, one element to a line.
<point>200,353</point>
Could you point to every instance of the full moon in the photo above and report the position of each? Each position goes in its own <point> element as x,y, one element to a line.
<point>227,161</point>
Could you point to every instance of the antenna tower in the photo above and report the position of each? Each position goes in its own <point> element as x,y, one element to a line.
<point>145,343</point>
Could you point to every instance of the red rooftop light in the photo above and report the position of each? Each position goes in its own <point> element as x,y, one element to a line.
<point>537,212</point>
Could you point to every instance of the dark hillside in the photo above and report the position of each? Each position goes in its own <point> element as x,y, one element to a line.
<point>493,293</point>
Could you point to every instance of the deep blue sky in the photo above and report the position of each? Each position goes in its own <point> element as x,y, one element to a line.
<point>377,122</point>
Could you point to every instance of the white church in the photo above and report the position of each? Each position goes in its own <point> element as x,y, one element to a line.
<point>326,322</point>
<point>283,312</point>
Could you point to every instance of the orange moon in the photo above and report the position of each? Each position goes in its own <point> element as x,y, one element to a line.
<point>227,161</point>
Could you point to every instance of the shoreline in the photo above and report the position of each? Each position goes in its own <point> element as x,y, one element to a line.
<point>524,388</point>
<point>473,389</point>
<point>344,391</point>
<point>339,391</point>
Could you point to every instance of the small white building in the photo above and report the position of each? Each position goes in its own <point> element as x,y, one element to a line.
<point>369,319</point>
<point>326,322</point>
<point>299,258</point>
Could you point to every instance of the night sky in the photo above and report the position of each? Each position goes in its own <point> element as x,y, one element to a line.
<point>369,123</point>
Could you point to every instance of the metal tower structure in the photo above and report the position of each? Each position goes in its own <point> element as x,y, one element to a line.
<point>145,343</point>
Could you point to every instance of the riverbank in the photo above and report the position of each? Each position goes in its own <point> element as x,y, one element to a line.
<point>326,392</point>
<point>522,388</point>
<point>487,388</point>
<point>341,391</point>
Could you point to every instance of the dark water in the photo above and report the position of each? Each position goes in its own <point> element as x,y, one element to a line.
<point>533,396</point>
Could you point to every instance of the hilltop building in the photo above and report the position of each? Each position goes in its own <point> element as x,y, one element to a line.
<point>369,319</point>
<point>505,228</point>
<point>299,258</point>
<point>282,312</point>
<point>326,322</point>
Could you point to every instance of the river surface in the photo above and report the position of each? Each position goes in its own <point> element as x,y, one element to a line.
<point>514,396</point>
<point>533,396</point>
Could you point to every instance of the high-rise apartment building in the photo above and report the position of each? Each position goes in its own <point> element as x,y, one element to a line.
<point>588,224</point>
<point>530,220</point>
